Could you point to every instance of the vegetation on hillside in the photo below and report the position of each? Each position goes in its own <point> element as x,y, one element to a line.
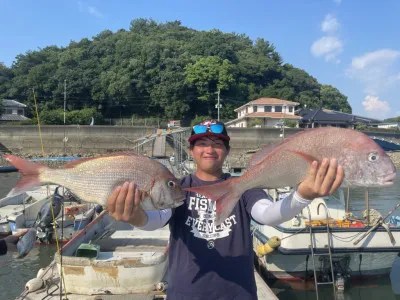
<point>161,70</point>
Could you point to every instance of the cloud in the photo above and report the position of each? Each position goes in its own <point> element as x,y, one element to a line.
<point>94,12</point>
<point>329,47</point>
<point>375,70</point>
<point>91,10</point>
<point>373,104</point>
<point>330,24</point>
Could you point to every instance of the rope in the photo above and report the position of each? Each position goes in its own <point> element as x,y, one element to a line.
<point>51,199</point>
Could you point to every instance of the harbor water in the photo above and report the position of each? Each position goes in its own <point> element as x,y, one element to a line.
<point>15,273</point>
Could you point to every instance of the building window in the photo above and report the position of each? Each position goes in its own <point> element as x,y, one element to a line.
<point>9,111</point>
<point>20,112</point>
<point>267,108</point>
<point>247,109</point>
<point>254,108</point>
<point>278,108</point>
<point>290,108</point>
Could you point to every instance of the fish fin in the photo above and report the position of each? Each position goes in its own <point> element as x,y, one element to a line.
<point>260,154</point>
<point>30,172</point>
<point>224,193</point>
<point>78,161</point>
<point>306,156</point>
<point>267,149</point>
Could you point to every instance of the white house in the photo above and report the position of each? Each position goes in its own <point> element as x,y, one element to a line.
<point>392,125</point>
<point>13,111</point>
<point>271,111</point>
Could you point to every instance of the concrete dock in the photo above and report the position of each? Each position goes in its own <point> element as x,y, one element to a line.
<point>263,290</point>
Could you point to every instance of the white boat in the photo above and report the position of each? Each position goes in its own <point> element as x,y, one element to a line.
<point>23,207</point>
<point>354,250</point>
<point>22,211</point>
<point>106,258</point>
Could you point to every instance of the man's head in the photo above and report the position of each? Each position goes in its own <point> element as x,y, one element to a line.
<point>209,145</point>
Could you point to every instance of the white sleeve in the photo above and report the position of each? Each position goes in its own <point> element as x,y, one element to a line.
<point>266,212</point>
<point>156,219</point>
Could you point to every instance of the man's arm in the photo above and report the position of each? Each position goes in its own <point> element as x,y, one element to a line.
<point>266,212</point>
<point>322,180</point>
<point>156,219</point>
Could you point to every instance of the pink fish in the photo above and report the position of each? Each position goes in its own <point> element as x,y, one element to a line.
<point>286,164</point>
<point>93,179</point>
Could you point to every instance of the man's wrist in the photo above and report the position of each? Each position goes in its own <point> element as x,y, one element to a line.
<point>140,220</point>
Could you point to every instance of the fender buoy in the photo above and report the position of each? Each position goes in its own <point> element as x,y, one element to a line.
<point>34,284</point>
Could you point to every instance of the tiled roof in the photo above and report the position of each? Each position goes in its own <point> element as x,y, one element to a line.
<point>272,101</point>
<point>272,115</point>
<point>324,115</point>
<point>12,117</point>
<point>13,103</point>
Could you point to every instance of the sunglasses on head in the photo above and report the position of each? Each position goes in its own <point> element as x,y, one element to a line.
<point>214,128</point>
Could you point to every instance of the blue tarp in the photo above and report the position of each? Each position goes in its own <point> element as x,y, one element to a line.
<point>387,146</point>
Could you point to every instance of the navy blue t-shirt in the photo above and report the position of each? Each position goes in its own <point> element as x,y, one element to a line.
<point>207,261</point>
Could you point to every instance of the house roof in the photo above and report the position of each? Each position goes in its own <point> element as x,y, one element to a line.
<point>12,117</point>
<point>268,101</point>
<point>325,115</point>
<point>272,115</point>
<point>12,103</point>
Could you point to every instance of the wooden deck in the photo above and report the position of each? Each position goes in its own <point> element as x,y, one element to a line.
<point>263,290</point>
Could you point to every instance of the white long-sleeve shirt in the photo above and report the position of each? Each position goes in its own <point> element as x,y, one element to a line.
<point>264,211</point>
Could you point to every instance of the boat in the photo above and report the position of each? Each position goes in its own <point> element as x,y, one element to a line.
<point>111,260</point>
<point>327,243</point>
<point>22,211</point>
<point>106,258</point>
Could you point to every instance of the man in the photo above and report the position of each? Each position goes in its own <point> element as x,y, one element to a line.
<point>208,261</point>
<point>9,243</point>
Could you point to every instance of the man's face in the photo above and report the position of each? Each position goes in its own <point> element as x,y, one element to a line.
<point>209,153</point>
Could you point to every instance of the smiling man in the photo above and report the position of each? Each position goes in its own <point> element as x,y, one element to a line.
<point>209,261</point>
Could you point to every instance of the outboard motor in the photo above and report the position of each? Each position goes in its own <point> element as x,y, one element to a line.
<point>44,219</point>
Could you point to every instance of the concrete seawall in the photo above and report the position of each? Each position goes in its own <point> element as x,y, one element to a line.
<point>101,139</point>
<point>87,141</point>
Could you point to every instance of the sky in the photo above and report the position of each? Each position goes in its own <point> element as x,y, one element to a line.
<point>353,45</point>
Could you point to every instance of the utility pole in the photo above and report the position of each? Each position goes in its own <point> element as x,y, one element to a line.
<point>65,106</point>
<point>218,106</point>
<point>65,97</point>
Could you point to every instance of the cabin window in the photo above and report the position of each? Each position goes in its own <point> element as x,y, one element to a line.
<point>254,108</point>
<point>278,108</point>
<point>9,111</point>
<point>267,108</point>
<point>290,108</point>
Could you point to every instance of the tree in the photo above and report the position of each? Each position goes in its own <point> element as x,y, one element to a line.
<point>208,75</point>
<point>333,99</point>
<point>161,70</point>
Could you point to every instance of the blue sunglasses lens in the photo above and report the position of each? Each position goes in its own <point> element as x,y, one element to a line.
<point>214,128</point>
<point>217,128</point>
<point>199,129</point>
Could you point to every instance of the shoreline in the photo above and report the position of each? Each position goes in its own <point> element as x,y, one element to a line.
<point>236,160</point>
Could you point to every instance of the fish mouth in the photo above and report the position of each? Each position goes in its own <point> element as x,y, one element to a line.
<point>388,179</point>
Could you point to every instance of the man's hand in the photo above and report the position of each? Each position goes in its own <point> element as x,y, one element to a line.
<point>124,204</point>
<point>12,240</point>
<point>321,180</point>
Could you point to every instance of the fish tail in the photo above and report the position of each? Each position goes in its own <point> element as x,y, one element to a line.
<point>30,171</point>
<point>226,194</point>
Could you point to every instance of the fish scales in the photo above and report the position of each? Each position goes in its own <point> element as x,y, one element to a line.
<point>94,179</point>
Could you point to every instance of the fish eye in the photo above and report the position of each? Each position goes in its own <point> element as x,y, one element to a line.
<point>171,183</point>
<point>373,157</point>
